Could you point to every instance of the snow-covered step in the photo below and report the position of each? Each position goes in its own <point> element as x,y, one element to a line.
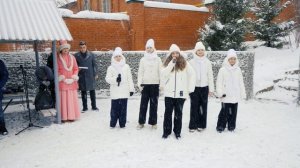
<point>278,94</point>
<point>288,84</point>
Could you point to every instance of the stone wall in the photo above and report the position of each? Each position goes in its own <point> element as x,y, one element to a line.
<point>27,59</point>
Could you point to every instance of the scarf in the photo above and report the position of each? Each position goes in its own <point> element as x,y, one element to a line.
<point>200,66</point>
<point>118,65</point>
<point>150,56</point>
<point>64,62</point>
<point>232,82</point>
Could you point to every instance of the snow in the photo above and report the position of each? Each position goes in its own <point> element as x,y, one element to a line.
<point>209,1</point>
<point>93,15</point>
<point>271,64</point>
<point>174,6</point>
<point>63,2</point>
<point>267,133</point>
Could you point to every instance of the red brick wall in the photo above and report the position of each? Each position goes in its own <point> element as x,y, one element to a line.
<point>191,2</point>
<point>288,13</point>
<point>174,26</point>
<point>100,35</point>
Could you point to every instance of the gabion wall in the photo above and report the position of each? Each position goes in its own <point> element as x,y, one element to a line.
<point>27,59</point>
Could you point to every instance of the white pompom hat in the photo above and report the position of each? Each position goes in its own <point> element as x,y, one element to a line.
<point>64,45</point>
<point>150,43</point>
<point>199,45</point>
<point>118,51</point>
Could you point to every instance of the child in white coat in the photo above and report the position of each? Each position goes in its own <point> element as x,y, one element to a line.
<point>149,82</point>
<point>204,88</point>
<point>121,87</point>
<point>231,89</point>
<point>178,78</point>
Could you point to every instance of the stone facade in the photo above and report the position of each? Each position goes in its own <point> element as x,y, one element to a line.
<point>27,59</point>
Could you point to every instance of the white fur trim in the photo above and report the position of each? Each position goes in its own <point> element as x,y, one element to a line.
<point>75,77</point>
<point>61,77</point>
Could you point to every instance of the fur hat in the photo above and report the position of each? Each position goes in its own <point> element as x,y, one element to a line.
<point>118,51</point>
<point>199,45</point>
<point>150,43</point>
<point>174,48</point>
<point>64,45</point>
<point>231,53</point>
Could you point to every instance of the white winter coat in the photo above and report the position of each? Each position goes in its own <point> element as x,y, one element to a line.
<point>178,81</point>
<point>230,82</point>
<point>149,70</point>
<point>126,85</point>
<point>207,76</point>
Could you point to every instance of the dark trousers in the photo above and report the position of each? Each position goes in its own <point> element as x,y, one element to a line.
<point>84,99</point>
<point>150,92</point>
<point>118,111</point>
<point>2,122</point>
<point>227,115</point>
<point>198,112</point>
<point>171,104</point>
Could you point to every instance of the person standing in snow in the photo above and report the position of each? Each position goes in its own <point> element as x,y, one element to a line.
<point>231,89</point>
<point>87,75</point>
<point>178,78</point>
<point>3,80</point>
<point>68,77</point>
<point>121,87</point>
<point>204,88</point>
<point>149,82</point>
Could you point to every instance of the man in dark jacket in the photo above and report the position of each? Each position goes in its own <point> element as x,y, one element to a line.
<point>3,80</point>
<point>87,75</point>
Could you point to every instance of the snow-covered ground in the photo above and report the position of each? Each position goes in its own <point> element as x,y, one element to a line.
<point>267,134</point>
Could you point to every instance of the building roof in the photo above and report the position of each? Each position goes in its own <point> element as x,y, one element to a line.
<point>27,20</point>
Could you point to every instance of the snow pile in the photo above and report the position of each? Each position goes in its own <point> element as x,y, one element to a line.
<point>93,15</point>
<point>271,64</point>
<point>174,6</point>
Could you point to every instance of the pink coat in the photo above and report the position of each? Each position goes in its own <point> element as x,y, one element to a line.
<point>72,74</point>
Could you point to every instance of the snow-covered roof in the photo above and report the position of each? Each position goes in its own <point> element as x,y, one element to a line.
<point>93,15</point>
<point>27,20</point>
<point>174,6</point>
<point>209,1</point>
<point>60,3</point>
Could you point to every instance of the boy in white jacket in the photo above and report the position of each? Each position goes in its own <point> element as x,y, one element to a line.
<point>148,82</point>
<point>121,87</point>
<point>204,87</point>
<point>178,78</point>
<point>231,89</point>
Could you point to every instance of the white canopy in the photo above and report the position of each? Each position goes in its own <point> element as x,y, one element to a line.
<point>28,20</point>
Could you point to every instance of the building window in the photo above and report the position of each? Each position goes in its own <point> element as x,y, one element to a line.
<point>86,5</point>
<point>106,6</point>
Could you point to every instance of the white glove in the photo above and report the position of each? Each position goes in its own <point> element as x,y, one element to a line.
<point>69,81</point>
<point>61,77</point>
<point>141,88</point>
<point>75,77</point>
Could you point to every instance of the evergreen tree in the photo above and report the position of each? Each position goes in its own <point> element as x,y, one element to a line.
<point>265,28</point>
<point>227,27</point>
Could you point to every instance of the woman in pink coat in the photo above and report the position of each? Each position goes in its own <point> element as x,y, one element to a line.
<point>68,77</point>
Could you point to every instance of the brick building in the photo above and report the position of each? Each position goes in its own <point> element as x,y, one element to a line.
<point>166,21</point>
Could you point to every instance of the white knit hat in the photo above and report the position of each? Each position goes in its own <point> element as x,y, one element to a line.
<point>64,45</point>
<point>199,45</point>
<point>150,43</point>
<point>118,51</point>
<point>231,53</point>
<point>174,48</point>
